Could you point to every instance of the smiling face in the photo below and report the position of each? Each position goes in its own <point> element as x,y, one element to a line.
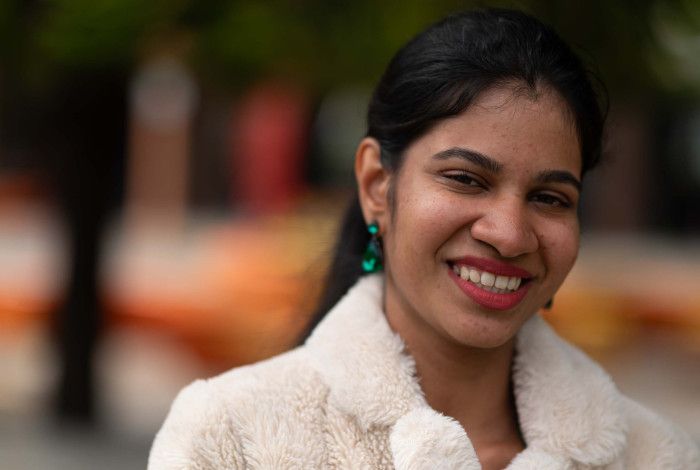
<point>483,228</point>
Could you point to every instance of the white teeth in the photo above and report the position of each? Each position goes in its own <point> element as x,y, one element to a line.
<point>474,275</point>
<point>464,272</point>
<point>512,282</point>
<point>501,282</point>
<point>488,281</point>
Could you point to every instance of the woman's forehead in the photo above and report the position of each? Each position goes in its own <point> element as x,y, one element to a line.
<point>513,128</point>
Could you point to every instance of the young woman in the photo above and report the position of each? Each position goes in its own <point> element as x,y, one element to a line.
<point>431,354</point>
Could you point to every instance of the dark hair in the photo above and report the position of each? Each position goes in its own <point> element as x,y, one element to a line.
<point>438,74</point>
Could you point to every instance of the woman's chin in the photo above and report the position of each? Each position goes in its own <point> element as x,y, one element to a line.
<point>485,333</point>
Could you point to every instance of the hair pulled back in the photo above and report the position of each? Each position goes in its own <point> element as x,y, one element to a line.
<point>438,74</point>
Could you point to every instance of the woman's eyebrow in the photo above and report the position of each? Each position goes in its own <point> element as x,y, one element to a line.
<point>559,176</point>
<point>488,163</point>
<point>477,158</point>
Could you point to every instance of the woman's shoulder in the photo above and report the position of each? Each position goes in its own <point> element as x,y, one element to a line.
<point>654,442</point>
<point>560,389</point>
<point>208,418</point>
<point>284,374</point>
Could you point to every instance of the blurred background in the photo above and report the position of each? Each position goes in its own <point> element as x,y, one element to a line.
<point>172,172</point>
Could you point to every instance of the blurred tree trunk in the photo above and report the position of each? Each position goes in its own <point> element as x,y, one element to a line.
<point>85,153</point>
<point>69,126</point>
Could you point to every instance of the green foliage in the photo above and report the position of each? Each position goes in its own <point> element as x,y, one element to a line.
<point>321,43</point>
<point>254,38</point>
<point>314,41</point>
<point>100,33</point>
<point>677,63</point>
<point>8,27</point>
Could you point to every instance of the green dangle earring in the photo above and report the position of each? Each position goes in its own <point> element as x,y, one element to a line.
<point>372,259</point>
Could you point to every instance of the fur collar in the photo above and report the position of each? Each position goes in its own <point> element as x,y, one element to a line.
<point>569,409</point>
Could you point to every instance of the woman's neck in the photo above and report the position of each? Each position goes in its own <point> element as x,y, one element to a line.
<point>472,385</point>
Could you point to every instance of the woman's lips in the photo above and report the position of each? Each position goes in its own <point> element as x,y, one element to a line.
<point>492,284</point>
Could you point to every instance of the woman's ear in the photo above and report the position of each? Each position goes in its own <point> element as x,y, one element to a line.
<point>372,182</point>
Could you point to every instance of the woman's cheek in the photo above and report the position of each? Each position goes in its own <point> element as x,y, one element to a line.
<point>561,244</point>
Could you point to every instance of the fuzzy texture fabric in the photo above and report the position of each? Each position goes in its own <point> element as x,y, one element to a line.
<point>349,399</point>
<point>423,437</point>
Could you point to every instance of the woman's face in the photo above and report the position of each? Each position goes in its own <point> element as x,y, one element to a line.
<point>483,227</point>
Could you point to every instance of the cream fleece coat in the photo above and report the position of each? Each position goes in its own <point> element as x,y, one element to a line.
<point>349,399</point>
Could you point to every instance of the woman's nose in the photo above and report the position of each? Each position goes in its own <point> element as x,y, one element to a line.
<point>505,226</point>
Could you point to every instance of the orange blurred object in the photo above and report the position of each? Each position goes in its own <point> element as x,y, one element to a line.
<point>246,295</point>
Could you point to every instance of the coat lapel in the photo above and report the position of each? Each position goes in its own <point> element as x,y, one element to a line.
<point>362,359</point>
<point>567,406</point>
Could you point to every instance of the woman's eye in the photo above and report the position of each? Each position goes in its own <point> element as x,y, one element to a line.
<point>465,179</point>
<point>551,200</point>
